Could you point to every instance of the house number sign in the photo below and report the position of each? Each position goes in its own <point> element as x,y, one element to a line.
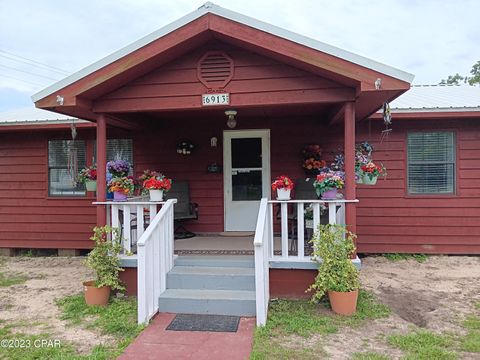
<point>215,99</point>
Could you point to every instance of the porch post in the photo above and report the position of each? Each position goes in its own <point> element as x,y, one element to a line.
<point>349,150</point>
<point>101,167</point>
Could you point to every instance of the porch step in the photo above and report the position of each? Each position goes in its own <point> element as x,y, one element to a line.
<point>213,278</point>
<point>216,261</point>
<point>218,302</point>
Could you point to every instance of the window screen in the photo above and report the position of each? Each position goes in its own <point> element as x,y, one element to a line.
<point>118,149</point>
<point>431,162</point>
<point>65,159</point>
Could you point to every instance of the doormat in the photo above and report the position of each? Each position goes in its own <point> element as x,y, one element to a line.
<point>216,323</point>
<point>214,252</point>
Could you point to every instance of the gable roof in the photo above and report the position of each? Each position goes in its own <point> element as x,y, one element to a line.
<point>237,17</point>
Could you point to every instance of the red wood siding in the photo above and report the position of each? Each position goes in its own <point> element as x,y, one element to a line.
<point>257,80</point>
<point>390,220</point>
<point>28,217</point>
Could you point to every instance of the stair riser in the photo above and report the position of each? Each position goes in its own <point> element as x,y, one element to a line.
<point>216,307</point>
<point>209,262</point>
<point>213,282</point>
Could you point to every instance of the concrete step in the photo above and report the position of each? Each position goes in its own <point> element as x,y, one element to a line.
<point>218,302</point>
<point>213,278</point>
<point>216,261</point>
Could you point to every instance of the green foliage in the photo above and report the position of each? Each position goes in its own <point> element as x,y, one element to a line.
<point>303,318</point>
<point>103,259</point>
<point>336,271</point>
<point>369,356</point>
<point>423,345</point>
<point>7,280</point>
<point>421,258</point>
<point>457,79</point>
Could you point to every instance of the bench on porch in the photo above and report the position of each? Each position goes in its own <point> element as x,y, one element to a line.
<point>184,209</point>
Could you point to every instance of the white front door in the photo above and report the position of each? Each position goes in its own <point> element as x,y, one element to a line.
<point>246,163</point>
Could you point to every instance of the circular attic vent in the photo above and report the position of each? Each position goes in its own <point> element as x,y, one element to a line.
<point>215,69</point>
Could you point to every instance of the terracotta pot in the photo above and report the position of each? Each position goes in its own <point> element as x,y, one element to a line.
<point>343,303</point>
<point>94,295</point>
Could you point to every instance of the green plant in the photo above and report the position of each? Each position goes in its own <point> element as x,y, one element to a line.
<point>333,247</point>
<point>103,259</point>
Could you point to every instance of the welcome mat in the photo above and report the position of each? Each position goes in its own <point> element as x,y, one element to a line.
<point>216,323</point>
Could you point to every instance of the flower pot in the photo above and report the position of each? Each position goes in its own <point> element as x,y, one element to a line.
<point>367,181</point>
<point>91,185</point>
<point>156,195</point>
<point>283,194</point>
<point>330,194</point>
<point>94,295</point>
<point>119,196</point>
<point>343,303</point>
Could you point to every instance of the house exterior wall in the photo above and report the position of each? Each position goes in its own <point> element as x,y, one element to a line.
<point>29,218</point>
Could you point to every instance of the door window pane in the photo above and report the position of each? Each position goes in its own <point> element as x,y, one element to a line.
<point>247,153</point>
<point>246,185</point>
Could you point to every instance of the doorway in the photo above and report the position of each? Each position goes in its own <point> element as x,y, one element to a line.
<point>246,157</point>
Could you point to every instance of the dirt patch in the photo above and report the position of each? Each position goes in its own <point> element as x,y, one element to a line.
<point>31,306</point>
<point>435,295</point>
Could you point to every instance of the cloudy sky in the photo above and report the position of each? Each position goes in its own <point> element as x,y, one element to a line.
<point>429,38</point>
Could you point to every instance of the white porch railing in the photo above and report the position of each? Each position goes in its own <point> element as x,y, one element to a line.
<point>291,223</point>
<point>154,260</point>
<point>131,217</point>
<point>261,251</point>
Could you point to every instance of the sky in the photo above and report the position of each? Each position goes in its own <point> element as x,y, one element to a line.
<point>428,38</point>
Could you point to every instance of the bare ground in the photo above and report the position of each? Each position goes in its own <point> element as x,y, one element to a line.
<point>31,306</point>
<point>434,295</point>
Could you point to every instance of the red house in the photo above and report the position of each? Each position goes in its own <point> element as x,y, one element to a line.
<point>177,84</point>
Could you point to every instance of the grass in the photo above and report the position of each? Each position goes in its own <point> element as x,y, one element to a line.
<point>424,345</point>
<point>287,318</point>
<point>421,258</point>
<point>118,319</point>
<point>369,356</point>
<point>7,280</point>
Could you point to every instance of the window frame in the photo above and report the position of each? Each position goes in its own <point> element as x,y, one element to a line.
<point>49,168</point>
<point>454,193</point>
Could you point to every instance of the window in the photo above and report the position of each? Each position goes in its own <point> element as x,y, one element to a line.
<point>431,162</point>
<point>118,149</point>
<point>65,158</point>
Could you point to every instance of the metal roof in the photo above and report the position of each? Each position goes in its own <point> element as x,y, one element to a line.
<point>237,17</point>
<point>32,115</point>
<point>438,98</point>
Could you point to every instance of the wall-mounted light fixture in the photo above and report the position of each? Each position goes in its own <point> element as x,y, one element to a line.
<point>213,141</point>
<point>231,122</point>
<point>59,100</point>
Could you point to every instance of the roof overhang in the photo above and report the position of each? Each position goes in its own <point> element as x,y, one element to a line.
<point>80,90</point>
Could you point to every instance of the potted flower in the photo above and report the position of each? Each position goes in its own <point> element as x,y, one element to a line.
<point>156,186</point>
<point>118,168</point>
<point>371,172</point>
<point>328,183</point>
<point>88,176</point>
<point>283,185</point>
<point>104,261</point>
<point>121,187</point>
<point>337,276</point>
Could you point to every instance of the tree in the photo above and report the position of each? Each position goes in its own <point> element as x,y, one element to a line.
<point>457,79</point>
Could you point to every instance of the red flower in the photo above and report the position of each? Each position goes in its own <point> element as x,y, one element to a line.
<point>282,182</point>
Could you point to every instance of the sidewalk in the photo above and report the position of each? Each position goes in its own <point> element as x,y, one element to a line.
<point>157,343</point>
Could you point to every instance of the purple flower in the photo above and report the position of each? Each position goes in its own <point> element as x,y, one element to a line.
<point>118,168</point>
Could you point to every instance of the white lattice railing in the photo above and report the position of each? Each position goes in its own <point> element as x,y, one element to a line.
<point>290,219</point>
<point>154,260</point>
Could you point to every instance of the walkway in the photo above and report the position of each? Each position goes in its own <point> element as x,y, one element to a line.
<point>157,343</point>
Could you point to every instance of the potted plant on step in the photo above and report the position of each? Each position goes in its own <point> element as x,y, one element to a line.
<point>157,186</point>
<point>283,185</point>
<point>88,176</point>
<point>104,260</point>
<point>337,276</point>
<point>328,183</point>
